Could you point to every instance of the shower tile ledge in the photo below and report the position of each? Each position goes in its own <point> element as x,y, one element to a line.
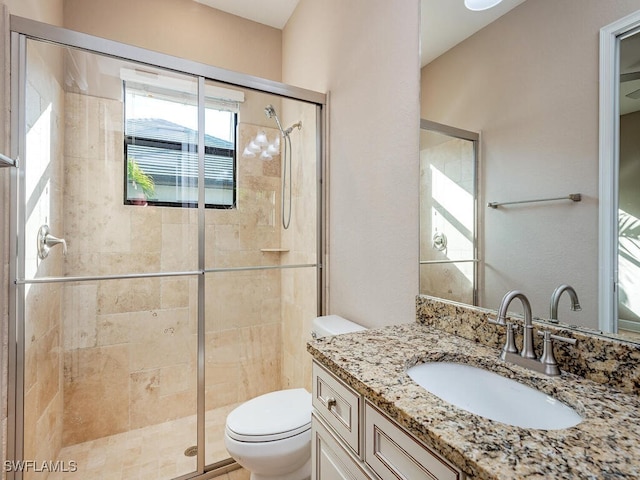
<point>605,445</point>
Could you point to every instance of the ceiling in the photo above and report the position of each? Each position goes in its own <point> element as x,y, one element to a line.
<point>274,13</point>
<point>445,23</point>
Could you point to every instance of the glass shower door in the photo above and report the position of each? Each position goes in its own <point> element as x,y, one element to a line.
<point>108,274</point>
<point>155,288</point>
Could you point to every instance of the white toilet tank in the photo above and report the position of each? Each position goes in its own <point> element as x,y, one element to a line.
<point>333,325</point>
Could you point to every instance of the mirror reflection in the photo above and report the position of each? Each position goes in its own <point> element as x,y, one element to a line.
<point>629,193</point>
<point>528,81</point>
<point>448,246</point>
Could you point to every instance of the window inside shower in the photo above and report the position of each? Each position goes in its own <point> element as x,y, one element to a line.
<point>161,142</point>
<point>136,339</point>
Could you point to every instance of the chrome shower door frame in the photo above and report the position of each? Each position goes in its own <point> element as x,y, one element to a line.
<point>23,29</point>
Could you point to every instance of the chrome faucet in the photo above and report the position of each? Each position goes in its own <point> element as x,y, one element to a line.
<point>555,299</point>
<point>527,342</point>
<point>527,357</point>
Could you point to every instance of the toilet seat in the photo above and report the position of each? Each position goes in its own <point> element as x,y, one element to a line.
<point>272,416</point>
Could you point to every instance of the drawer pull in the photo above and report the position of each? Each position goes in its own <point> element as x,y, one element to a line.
<point>331,402</point>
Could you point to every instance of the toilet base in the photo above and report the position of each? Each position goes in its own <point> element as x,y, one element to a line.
<point>303,473</point>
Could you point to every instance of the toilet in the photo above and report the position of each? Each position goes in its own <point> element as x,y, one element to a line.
<point>270,435</point>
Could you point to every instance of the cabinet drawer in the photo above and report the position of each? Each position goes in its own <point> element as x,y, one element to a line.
<point>393,454</point>
<point>337,405</point>
<point>330,460</point>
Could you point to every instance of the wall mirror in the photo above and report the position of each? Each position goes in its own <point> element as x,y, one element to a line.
<point>529,82</point>
<point>619,175</point>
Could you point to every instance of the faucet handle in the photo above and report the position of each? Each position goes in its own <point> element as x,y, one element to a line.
<point>548,358</point>
<point>543,333</point>
<point>499,320</point>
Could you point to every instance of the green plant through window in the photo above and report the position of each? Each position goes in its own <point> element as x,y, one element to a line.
<point>138,179</point>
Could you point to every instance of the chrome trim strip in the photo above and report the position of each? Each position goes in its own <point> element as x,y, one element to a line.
<point>574,197</point>
<point>324,260</point>
<point>127,276</point>
<point>267,267</point>
<point>477,234</point>
<point>83,41</point>
<point>15,443</point>
<point>200,396</point>
<point>434,262</point>
<point>319,208</point>
<point>448,130</point>
<point>133,276</point>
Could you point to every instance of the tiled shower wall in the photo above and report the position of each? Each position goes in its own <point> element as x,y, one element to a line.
<point>299,286</point>
<point>130,345</point>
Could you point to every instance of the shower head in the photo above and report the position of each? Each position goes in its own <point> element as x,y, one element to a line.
<point>269,111</point>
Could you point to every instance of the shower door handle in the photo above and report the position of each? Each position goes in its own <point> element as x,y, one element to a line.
<point>46,241</point>
<point>7,162</point>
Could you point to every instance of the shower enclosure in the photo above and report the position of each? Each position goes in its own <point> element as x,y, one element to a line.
<point>153,286</point>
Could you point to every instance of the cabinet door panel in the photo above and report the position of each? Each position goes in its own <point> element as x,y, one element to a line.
<point>393,454</point>
<point>330,460</point>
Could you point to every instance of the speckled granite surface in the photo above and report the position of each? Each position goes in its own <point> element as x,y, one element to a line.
<point>609,361</point>
<point>605,445</point>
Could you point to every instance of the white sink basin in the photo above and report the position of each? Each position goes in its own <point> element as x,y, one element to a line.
<point>492,396</point>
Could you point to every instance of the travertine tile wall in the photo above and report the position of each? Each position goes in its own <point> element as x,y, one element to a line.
<point>243,308</point>
<point>299,286</point>
<point>44,163</point>
<point>130,345</point>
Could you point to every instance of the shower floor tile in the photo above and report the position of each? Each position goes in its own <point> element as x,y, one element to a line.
<point>156,451</point>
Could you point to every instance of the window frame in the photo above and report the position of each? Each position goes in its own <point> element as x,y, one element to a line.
<point>182,147</point>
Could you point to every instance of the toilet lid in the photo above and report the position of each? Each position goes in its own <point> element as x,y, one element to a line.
<point>272,416</point>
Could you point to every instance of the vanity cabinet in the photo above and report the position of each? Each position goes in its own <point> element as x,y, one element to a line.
<point>353,439</point>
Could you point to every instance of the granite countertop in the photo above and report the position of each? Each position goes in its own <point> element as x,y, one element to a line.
<point>605,445</point>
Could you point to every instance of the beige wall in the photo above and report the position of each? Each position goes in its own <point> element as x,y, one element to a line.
<point>529,83</point>
<point>48,11</point>
<point>183,28</point>
<point>365,53</point>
